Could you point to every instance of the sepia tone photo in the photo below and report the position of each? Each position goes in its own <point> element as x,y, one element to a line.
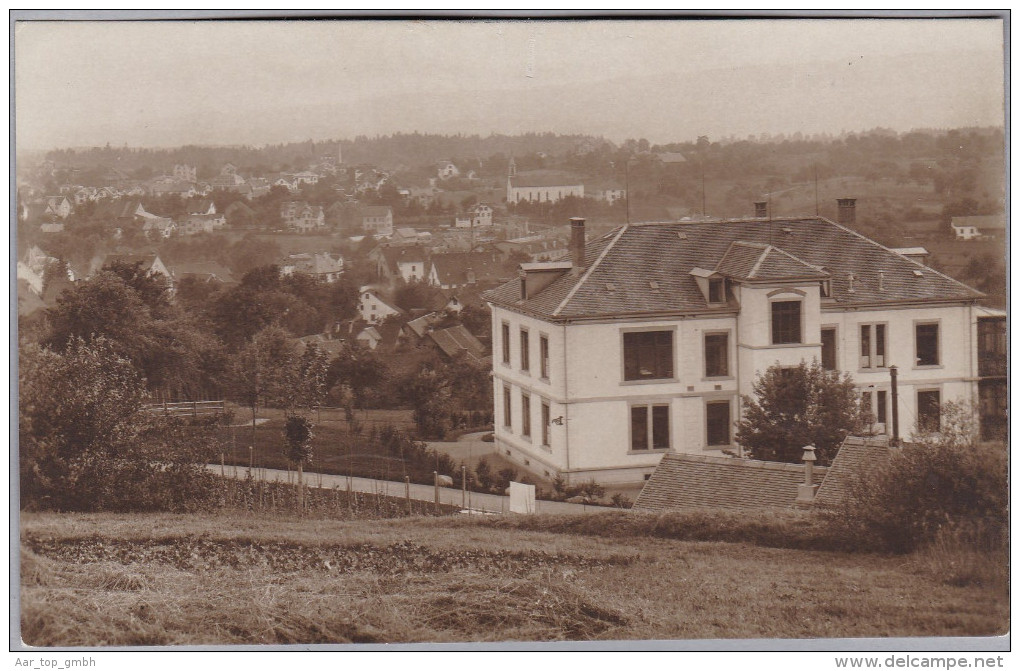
<point>612,331</point>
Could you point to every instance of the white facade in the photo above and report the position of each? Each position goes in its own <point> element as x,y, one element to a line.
<point>584,378</point>
<point>966,232</point>
<point>541,194</point>
<point>373,309</point>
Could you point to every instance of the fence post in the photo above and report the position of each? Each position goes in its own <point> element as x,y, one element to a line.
<point>223,465</point>
<point>435,479</point>
<point>463,486</point>
<point>407,492</point>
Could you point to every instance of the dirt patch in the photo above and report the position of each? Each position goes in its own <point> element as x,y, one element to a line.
<point>534,610</point>
<point>197,554</point>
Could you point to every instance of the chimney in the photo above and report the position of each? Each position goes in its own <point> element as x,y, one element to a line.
<point>761,209</point>
<point>847,211</point>
<point>577,242</point>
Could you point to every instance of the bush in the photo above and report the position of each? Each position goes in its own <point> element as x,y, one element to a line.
<point>924,489</point>
<point>88,444</point>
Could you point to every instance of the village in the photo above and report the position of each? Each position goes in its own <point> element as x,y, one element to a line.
<point>646,376</point>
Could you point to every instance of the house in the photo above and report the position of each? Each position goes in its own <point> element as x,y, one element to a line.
<point>185,173</point>
<point>373,308</point>
<point>369,337</point>
<point>377,220</point>
<point>982,226</point>
<point>200,223</point>
<point>158,228</point>
<point>256,187</point>
<point>423,196</point>
<point>462,269</point>
<point>202,271</point>
<point>446,170</point>
<point>239,215</point>
<point>322,265</point>
<point>456,341</point>
<point>609,193</point>
<point>542,186</point>
<point>479,215</point>
<point>535,248</point>
<point>58,206</point>
<point>417,329</point>
<point>300,216</point>
<point>172,187</point>
<point>32,279</point>
<point>671,157</point>
<point>404,263</point>
<point>150,264</point>
<point>201,206</point>
<point>404,236</point>
<point>228,181</point>
<point>644,341</point>
<point>121,211</point>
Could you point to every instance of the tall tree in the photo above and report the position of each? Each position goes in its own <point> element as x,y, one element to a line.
<point>795,407</point>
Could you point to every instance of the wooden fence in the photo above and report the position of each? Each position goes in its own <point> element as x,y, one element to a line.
<point>193,408</point>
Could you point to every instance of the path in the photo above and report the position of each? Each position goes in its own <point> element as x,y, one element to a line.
<point>475,501</point>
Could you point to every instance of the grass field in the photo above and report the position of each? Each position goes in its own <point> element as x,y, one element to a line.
<point>103,579</point>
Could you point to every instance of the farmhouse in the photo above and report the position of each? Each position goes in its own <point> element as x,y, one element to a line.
<point>643,342</point>
<point>981,226</point>
<point>373,308</point>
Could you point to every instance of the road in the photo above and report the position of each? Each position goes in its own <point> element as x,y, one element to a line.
<point>486,503</point>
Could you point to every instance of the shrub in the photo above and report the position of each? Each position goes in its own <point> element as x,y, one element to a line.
<point>924,489</point>
<point>86,443</point>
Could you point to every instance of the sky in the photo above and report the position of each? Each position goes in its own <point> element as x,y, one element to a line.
<point>210,82</point>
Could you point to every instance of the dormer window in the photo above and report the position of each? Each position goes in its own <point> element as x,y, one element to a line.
<point>717,290</point>
<point>826,288</point>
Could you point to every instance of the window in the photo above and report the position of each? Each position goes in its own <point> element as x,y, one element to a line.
<point>545,423</point>
<point>525,354</point>
<point>506,343</point>
<point>717,416</point>
<point>507,416</point>
<point>648,355</point>
<point>716,355</point>
<point>866,410</point>
<point>717,290</point>
<point>649,426</point>
<point>872,346</point>
<point>928,414</point>
<point>525,415</point>
<point>927,344</point>
<point>543,356</point>
<point>829,349</point>
<point>880,403</point>
<point>785,322</point>
<point>826,288</point>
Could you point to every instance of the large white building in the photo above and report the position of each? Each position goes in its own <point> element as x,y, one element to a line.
<point>646,340</point>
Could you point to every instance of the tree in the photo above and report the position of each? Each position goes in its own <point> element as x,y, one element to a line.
<point>430,394</point>
<point>259,372</point>
<point>297,431</point>
<point>795,407</point>
<point>86,442</point>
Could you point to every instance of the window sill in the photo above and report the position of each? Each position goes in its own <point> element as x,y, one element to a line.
<point>876,369</point>
<point>786,344</point>
<point>721,378</point>
<point>656,451</point>
<point>935,366</point>
<point>544,378</point>
<point>658,380</point>
<point>524,371</point>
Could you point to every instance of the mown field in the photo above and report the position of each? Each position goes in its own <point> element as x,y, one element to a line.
<point>161,579</point>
